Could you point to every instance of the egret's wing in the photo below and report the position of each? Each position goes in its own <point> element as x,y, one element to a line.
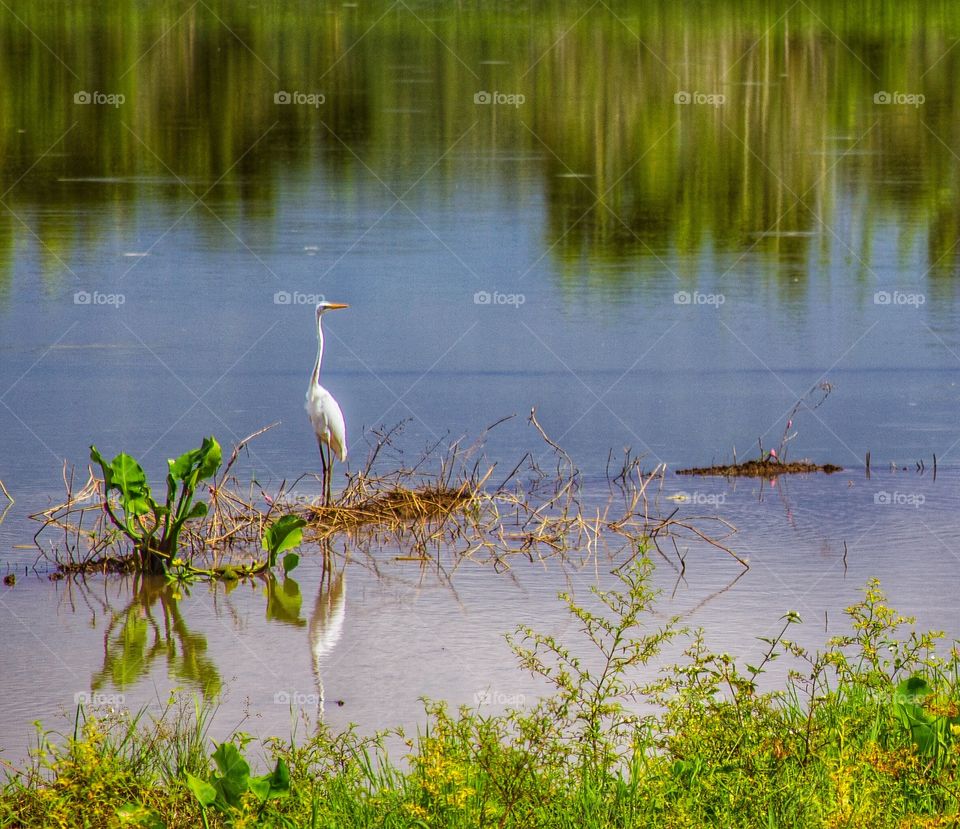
<point>337,427</point>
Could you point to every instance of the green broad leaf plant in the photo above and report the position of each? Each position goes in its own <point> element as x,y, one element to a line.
<point>154,527</point>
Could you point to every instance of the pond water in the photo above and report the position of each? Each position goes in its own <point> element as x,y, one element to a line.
<point>659,228</point>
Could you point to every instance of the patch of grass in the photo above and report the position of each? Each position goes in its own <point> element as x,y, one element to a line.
<point>863,733</point>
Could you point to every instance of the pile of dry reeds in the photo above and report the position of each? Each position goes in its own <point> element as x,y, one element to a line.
<point>444,509</point>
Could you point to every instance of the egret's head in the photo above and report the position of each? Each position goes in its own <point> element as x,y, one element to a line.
<point>324,306</point>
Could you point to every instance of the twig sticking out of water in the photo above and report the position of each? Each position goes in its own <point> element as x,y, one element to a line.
<point>10,502</point>
<point>825,388</point>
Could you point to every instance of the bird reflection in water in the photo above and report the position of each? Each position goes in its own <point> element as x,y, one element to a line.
<point>326,625</point>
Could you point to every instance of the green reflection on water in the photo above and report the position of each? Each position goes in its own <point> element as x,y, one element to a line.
<point>137,637</point>
<point>151,630</point>
<point>626,172</point>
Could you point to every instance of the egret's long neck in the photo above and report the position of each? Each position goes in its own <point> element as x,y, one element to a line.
<point>315,377</point>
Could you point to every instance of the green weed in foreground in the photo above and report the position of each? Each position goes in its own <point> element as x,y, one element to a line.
<point>157,538</point>
<point>154,529</point>
<point>864,733</point>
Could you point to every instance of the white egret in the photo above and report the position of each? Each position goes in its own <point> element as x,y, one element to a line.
<point>325,415</point>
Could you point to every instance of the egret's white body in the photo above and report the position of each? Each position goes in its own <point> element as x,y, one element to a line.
<point>324,411</point>
<point>327,420</point>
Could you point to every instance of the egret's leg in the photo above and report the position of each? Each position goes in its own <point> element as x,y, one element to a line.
<point>330,477</point>
<point>329,480</point>
<point>323,479</point>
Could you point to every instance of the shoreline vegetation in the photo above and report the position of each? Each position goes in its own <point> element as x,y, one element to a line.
<point>862,733</point>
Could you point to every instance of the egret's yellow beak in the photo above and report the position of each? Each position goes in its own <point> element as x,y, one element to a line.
<point>334,306</point>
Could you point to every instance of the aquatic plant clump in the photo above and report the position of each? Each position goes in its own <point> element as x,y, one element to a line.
<point>128,516</point>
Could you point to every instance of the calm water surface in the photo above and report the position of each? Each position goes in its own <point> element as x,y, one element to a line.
<point>686,222</point>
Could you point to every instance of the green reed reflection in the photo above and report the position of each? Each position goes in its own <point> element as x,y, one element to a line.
<point>626,171</point>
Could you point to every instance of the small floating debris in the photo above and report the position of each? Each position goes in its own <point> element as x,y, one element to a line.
<point>135,254</point>
<point>762,469</point>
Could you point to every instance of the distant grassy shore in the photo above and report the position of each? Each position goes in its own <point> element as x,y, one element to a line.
<point>864,733</point>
